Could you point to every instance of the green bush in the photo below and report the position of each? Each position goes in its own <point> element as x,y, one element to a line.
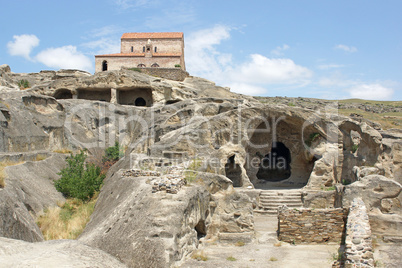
<point>79,180</point>
<point>177,65</point>
<point>23,84</point>
<point>113,153</point>
<point>135,69</point>
<point>355,147</point>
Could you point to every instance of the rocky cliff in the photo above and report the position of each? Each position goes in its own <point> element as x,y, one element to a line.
<point>220,142</point>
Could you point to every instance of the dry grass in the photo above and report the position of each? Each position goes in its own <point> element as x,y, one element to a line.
<point>279,244</point>
<point>40,157</point>
<point>3,165</point>
<point>67,221</point>
<point>273,259</point>
<point>386,120</point>
<point>240,244</point>
<point>231,258</point>
<point>63,151</point>
<point>199,256</point>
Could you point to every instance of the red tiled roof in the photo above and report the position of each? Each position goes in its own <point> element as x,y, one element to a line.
<point>152,35</point>
<point>140,55</point>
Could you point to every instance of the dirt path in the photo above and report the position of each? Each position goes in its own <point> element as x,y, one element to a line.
<point>265,251</point>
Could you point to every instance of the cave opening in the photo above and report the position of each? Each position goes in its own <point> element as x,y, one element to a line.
<point>233,171</point>
<point>201,229</point>
<point>63,94</point>
<point>275,166</point>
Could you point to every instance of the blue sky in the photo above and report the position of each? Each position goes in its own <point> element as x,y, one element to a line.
<point>307,48</point>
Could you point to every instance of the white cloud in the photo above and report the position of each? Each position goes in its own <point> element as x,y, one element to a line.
<point>247,89</point>
<point>349,49</point>
<point>66,57</point>
<point>371,92</point>
<point>202,56</point>
<point>278,51</point>
<point>263,70</point>
<point>251,77</point>
<point>22,45</point>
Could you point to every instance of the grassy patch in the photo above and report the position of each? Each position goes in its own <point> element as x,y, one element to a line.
<point>66,221</point>
<point>273,259</point>
<point>40,157</point>
<point>231,258</point>
<point>23,84</point>
<point>3,165</point>
<point>355,147</point>
<point>199,256</point>
<point>386,120</point>
<point>240,244</point>
<point>135,69</point>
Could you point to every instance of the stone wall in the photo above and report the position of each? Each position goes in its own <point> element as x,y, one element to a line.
<point>176,74</point>
<point>359,249</point>
<point>311,225</point>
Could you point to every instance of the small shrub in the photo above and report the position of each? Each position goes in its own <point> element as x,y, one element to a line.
<point>291,104</point>
<point>113,153</point>
<point>273,259</point>
<point>79,180</point>
<point>199,256</point>
<point>177,65</point>
<point>192,170</point>
<point>355,147</point>
<point>231,258</point>
<point>23,84</point>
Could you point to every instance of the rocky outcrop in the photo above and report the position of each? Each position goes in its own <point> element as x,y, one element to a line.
<point>28,191</point>
<point>56,253</point>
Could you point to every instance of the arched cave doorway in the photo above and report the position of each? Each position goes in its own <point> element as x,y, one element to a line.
<point>233,172</point>
<point>201,229</point>
<point>275,166</point>
<point>104,66</point>
<point>140,102</point>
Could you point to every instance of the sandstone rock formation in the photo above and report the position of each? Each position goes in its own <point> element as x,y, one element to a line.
<point>232,144</point>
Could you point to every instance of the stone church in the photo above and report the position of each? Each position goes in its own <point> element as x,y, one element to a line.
<point>145,50</point>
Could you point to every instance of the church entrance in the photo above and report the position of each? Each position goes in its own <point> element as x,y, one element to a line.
<point>275,166</point>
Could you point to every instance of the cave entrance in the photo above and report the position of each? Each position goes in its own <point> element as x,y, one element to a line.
<point>233,172</point>
<point>201,229</point>
<point>275,166</point>
<point>140,102</point>
<point>63,94</point>
<point>141,97</point>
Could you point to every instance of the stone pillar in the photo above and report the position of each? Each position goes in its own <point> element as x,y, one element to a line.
<point>113,98</point>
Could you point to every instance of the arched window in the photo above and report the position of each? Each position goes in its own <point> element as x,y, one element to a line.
<point>155,65</point>
<point>141,65</point>
<point>140,102</point>
<point>155,49</point>
<point>132,49</point>
<point>104,66</point>
<point>143,49</point>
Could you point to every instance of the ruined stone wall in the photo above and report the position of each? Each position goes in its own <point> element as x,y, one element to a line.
<point>359,249</point>
<point>175,74</point>
<point>311,225</point>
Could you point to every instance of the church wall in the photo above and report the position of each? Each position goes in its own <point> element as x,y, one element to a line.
<point>116,63</point>
<point>163,45</point>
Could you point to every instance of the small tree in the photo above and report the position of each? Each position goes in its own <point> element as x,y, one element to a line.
<point>79,180</point>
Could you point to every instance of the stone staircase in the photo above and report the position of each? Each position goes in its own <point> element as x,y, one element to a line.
<point>270,200</point>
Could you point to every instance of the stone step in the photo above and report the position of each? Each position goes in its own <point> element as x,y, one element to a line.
<point>266,212</point>
<point>279,203</point>
<point>282,199</point>
<point>279,195</point>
